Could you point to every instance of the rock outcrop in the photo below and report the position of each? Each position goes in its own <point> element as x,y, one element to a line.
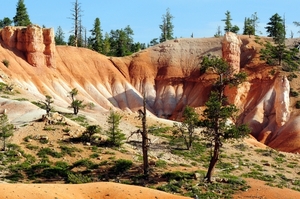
<point>282,100</point>
<point>167,73</point>
<point>35,42</point>
<point>231,50</point>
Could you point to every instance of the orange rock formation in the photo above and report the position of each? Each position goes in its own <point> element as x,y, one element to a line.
<point>167,73</point>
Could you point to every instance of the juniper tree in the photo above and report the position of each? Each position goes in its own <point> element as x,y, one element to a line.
<point>218,118</point>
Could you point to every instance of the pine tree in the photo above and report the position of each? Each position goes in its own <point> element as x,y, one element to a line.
<point>276,29</point>
<point>185,130</point>
<point>21,18</point>
<point>228,26</point>
<point>96,39</point>
<point>115,136</point>
<point>248,27</point>
<point>59,37</point>
<point>227,21</point>
<point>218,118</point>
<point>166,27</point>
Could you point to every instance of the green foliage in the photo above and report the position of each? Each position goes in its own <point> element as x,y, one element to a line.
<point>44,152</point>
<point>293,93</point>
<point>78,178</point>
<point>96,40</point>
<point>121,166</point>
<point>228,26</point>
<point>5,22</point>
<point>21,18</point>
<point>166,27</point>
<point>298,104</point>
<point>186,129</point>
<point>75,104</point>
<point>115,136</point>
<point>5,62</point>
<point>87,163</point>
<point>69,150</point>
<point>59,37</point>
<point>218,117</point>
<point>121,42</point>
<point>291,76</point>
<point>6,129</point>
<point>161,164</point>
<point>90,131</point>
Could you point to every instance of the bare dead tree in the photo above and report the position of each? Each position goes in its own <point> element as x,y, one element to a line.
<point>76,17</point>
<point>145,140</point>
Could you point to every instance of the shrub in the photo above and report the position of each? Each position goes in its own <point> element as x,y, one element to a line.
<point>298,104</point>
<point>121,166</point>
<point>5,62</point>
<point>291,76</point>
<point>293,93</point>
<point>78,178</point>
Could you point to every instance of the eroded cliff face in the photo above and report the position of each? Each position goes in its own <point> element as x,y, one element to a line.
<point>167,73</point>
<point>35,42</point>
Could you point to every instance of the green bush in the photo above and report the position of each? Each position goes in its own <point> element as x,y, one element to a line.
<point>6,63</point>
<point>78,178</point>
<point>121,166</point>
<point>293,93</point>
<point>298,104</point>
<point>44,152</point>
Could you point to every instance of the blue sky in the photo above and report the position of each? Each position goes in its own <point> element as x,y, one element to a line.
<point>200,17</point>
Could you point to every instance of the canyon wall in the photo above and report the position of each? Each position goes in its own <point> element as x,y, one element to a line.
<point>168,74</point>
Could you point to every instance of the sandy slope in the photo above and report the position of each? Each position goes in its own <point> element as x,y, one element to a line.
<point>83,191</point>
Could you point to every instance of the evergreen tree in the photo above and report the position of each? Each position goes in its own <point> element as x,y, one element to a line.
<point>115,136</point>
<point>59,37</point>
<point>248,27</point>
<point>75,104</point>
<point>121,42</point>
<point>6,129</point>
<point>254,20</point>
<point>5,22</point>
<point>90,131</point>
<point>21,18</point>
<point>227,21</point>
<point>166,27</point>
<point>185,131</point>
<point>218,118</point>
<point>106,44</point>
<point>228,26</point>
<point>276,29</point>
<point>96,39</point>
<point>47,104</point>
<point>219,32</point>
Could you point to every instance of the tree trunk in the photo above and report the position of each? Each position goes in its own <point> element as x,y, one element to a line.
<point>213,160</point>
<point>145,143</point>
